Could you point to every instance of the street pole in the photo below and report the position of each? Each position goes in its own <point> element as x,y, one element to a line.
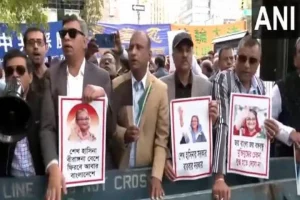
<point>138,13</point>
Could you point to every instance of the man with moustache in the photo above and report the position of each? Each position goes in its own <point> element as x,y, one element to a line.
<point>109,63</point>
<point>75,77</point>
<point>36,47</point>
<point>241,79</point>
<point>185,84</point>
<point>23,158</point>
<point>141,105</point>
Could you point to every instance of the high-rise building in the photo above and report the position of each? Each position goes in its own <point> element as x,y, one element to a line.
<point>110,11</point>
<point>194,11</point>
<point>225,11</point>
<point>56,9</point>
<point>158,12</point>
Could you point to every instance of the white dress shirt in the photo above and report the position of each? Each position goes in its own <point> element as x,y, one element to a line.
<point>136,95</point>
<point>74,89</point>
<point>285,131</point>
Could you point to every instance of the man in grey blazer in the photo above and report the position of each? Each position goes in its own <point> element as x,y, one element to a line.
<point>75,77</point>
<point>185,84</point>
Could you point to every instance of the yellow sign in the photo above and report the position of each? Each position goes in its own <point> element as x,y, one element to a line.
<point>157,51</point>
<point>125,34</point>
<point>153,34</point>
<point>204,35</point>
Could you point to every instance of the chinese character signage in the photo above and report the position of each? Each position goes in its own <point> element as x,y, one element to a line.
<point>9,40</point>
<point>158,34</point>
<point>204,35</point>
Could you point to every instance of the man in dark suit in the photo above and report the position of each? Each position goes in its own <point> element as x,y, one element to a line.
<point>184,84</point>
<point>160,63</point>
<point>24,157</point>
<point>75,77</point>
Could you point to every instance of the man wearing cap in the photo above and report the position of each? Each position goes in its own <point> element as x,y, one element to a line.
<point>184,84</point>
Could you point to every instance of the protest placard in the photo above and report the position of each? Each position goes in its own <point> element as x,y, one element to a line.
<point>82,141</point>
<point>248,145</point>
<point>297,166</point>
<point>191,134</point>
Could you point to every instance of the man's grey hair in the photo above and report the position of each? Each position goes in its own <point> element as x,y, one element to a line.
<point>84,27</point>
<point>83,24</point>
<point>249,41</point>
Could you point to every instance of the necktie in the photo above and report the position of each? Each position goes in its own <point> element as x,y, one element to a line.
<point>138,86</point>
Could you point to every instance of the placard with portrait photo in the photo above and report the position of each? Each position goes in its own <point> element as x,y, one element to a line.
<point>297,166</point>
<point>248,145</point>
<point>191,136</point>
<point>82,141</point>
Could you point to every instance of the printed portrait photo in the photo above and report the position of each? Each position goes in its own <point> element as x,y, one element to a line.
<point>249,121</point>
<point>194,132</point>
<point>191,137</point>
<point>82,121</point>
<point>192,127</point>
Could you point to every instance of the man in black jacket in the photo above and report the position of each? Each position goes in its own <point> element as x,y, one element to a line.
<point>160,63</point>
<point>24,157</point>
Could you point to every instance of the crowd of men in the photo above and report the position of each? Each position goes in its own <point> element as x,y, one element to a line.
<point>122,77</point>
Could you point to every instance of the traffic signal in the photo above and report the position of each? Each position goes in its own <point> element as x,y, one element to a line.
<point>242,4</point>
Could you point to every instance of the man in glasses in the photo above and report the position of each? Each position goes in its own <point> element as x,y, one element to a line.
<point>23,158</point>
<point>285,104</point>
<point>241,79</point>
<point>75,77</point>
<point>36,47</point>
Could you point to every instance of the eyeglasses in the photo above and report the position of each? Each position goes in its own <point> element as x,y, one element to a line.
<point>72,32</point>
<point>39,43</point>
<point>9,70</point>
<point>243,59</point>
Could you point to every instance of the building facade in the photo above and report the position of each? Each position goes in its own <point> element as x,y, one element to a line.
<point>194,12</point>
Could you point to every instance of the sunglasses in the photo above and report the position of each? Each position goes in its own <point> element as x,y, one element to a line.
<point>9,70</point>
<point>243,59</point>
<point>72,32</point>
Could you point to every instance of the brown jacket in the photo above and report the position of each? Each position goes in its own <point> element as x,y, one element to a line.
<point>154,126</point>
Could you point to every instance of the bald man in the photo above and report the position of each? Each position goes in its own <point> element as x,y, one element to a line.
<point>141,103</point>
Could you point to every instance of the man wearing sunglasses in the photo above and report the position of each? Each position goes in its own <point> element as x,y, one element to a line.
<point>23,158</point>
<point>75,77</point>
<point>241,79</point>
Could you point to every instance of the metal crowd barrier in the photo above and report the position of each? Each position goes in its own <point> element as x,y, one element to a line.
<point>272,190</point>
<point>132,185</point>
